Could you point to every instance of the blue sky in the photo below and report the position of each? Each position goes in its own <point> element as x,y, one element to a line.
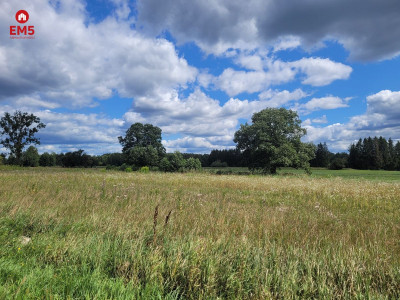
<point>198,69</point>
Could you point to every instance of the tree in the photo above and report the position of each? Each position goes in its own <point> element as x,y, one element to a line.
<point>355,155</point>
<point>232,157</point>
<point>30,158</point>
<point>397,156</point>
<point>192,164</point>
<point>139,135</point>
<point>165,165</point>
<point>392,156</point>
<point>77,159</point>
<point>140,156</point>
<point>322,156</point>
<point>337,163</point>
<point>112,159</point>
<point>47,159</point>
<point>172,162</point>
<point>273,141</point>
<point>20,130</point>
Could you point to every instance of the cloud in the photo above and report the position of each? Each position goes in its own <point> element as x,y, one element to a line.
<point>320,71</point>
<point>74,63</point>
<point>317,72</point>
<point>250,62</point>
<point>385,102</point>
<point>369,29</point>
<point>323,103</point>
<point>321,120</point>
<point>202,120</point>
<point>77,128</point>
<point>95,133</point>
<point>381,119</point>
<point>287,43</point>
<point>194,144</point>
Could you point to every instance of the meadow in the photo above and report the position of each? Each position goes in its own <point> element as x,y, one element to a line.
<point>97,234</point>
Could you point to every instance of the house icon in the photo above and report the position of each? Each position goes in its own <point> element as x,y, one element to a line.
<point>22,17</point>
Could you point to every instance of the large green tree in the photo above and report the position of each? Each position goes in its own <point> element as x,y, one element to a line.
<point>142,135</point>
<point>273,141</point>
<point>142,156</point>
<point>19,131</point>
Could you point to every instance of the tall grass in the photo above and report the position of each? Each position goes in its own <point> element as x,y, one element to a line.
<point>99,235</point>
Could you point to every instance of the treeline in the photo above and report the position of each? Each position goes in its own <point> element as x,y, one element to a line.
<point>369,153</point>
<point>31,158</point>
<point>135,159</point>
<point>325,159</point>
<point>171,162</point>
<point>374,154</point>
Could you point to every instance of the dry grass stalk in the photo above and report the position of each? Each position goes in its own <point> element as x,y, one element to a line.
<point>167,218</point>
<point>155,224</point>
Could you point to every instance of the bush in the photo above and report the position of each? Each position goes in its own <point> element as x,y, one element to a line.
<point>123,167</point>
<point>11,160</point>
<point>165,165</point>
<point>177,161</point>
<point>144,169</point>
<point>128,169</point>
<point>337,164</point>
<point>193,164</point>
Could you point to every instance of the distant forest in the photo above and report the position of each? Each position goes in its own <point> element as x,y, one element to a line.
<point>375,153</point>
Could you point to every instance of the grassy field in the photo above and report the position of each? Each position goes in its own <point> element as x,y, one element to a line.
<point>322,173</point>
<point>92,234</point>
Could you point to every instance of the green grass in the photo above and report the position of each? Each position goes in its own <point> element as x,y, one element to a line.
<point>323,173</point>
<point>235,237</point>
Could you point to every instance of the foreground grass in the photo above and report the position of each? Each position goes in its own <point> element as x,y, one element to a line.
<point>248,237</point>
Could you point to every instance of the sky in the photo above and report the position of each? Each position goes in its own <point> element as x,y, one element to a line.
<point>199,68</point>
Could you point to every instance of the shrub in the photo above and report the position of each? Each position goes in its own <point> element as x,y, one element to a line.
<point>173,162</point>
<point>337,164</point>
<point>165,165</point>
<point>144,169</point>
<point>193,164</point>
<point>128,169</point>
<point>123,167</point>
<point>177,161</point>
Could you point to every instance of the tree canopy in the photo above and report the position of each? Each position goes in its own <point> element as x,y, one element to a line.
<point>19,131</point>
<point>142,136</point>
<point>273,141</point>
<point>322,156</point>
<point>375,153</point>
